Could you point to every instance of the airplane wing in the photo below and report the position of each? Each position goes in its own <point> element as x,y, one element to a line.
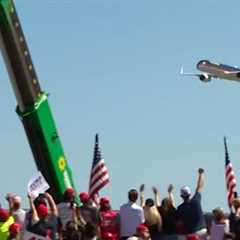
<point>197,74</point>
<point>187,73</point>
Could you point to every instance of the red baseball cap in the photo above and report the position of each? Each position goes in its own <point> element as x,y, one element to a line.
<point>69,192</point>
<point>84,197</point>
<point>104,201</point>
<point>192,237</point>
<point>4,215</point>
<point>14,228</point>
<point>42,211</point>
<point>141,228</point>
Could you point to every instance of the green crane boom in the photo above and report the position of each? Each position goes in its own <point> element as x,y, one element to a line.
<point>33,108</point>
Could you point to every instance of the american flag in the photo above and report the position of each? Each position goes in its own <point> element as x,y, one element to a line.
<point>230,177</point>
<point>99,174</point>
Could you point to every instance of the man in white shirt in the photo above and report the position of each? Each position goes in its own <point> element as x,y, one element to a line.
<point>18,213</point>
<point>131,215</point>
<point>66,208</point>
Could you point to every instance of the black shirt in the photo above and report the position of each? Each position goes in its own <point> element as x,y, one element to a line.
<point>235,225</point>
<point>190,214</point>
<point>168,220</point>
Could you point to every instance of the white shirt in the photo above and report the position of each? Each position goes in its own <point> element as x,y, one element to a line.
<point>218,229</point>
<point>131,215</point>
<point>19,216</point>
<point>66,212</point>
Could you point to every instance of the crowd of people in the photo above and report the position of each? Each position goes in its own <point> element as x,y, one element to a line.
<point>152,219</point>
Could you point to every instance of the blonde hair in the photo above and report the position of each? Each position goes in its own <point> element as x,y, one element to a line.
<point>152,215</point>
<point>236,203</point>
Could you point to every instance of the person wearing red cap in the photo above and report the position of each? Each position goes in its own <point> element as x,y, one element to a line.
<point>142,233</point>
<point>14,231</point>
<point>89,215</point>
<point>67,208</point>
<point>109,221</point>
<point>44,222</point>
<point>84,197</point>
<point>5,221</point>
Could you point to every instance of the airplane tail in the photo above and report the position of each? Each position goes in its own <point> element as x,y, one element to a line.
<point>181,71</point>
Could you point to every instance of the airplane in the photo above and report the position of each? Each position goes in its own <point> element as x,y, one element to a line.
<point>212,70</point>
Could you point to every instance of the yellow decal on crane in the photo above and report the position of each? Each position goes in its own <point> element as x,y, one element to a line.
<point>62,163</point>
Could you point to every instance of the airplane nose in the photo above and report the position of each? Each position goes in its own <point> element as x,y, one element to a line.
<point>202,63</point>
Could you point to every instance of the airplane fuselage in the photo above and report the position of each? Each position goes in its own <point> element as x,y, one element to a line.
<point>218,70</point>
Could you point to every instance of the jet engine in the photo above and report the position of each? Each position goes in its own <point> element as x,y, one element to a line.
<point>205,77</point>
<point>238,75</point>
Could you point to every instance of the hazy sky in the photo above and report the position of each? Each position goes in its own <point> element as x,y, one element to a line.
<point>112,67</point>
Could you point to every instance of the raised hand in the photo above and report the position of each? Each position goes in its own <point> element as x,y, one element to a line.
<point>170,188</point>
<point>155,190</point>
<point>142,187</point>
<point>9,196</point>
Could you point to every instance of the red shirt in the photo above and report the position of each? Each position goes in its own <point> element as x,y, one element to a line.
<point>109,225</point>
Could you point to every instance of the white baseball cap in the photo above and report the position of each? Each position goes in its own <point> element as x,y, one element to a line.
<point>185,191</point>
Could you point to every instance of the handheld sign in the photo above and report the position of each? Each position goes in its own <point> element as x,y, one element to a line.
<point>37,185</point>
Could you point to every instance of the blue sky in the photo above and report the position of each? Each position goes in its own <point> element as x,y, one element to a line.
<point>112,67</point>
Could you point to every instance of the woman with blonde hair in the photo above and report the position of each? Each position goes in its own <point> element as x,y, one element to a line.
<point>153,219</point>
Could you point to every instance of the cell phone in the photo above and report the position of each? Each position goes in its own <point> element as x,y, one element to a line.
<point>42,195</point>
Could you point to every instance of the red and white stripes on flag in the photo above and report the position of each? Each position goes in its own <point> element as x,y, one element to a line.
<point>230,177</point>
<point>99,176</point>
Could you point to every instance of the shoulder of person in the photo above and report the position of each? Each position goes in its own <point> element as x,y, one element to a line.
<point>138,209</point>
<point>124,205</point>
<point>197,196</point>
<point>23,211</point>
<point>180,206</point>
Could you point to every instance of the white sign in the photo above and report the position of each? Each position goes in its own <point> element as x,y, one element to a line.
<point>37,185</point>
